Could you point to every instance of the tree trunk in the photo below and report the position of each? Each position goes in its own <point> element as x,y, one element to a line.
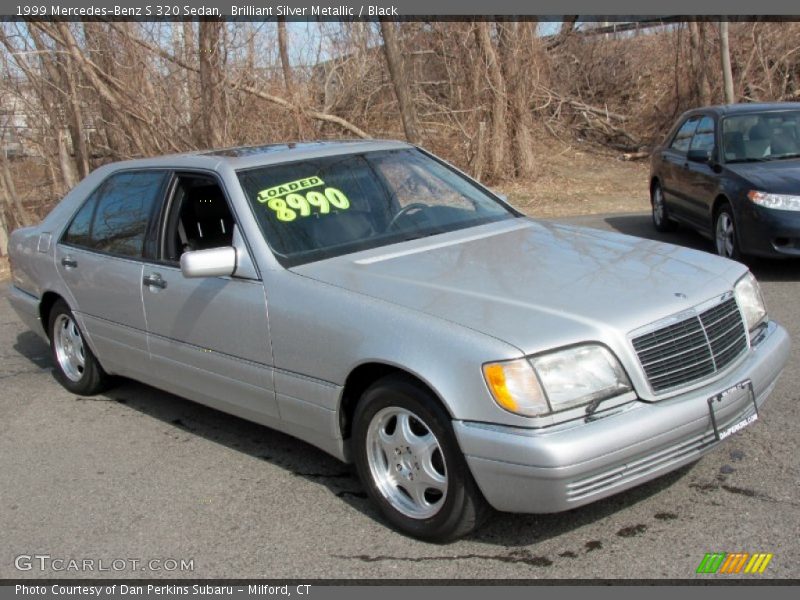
<point>498,115</point>
<point>697,39</point>
<point>67,166</point>
<point>211,82</point>
<point>286,67</point>
<point>3,233</point>
<point>402,89</point>
<point>516,45</point>
<point>725,56</point>
<point>75,117</point>
<point>14,203</point>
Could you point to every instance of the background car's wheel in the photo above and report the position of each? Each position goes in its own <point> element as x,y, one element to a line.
<point>725,235</point>
<point>661,219</point>
<point>76,368</point>
<point>409,461</point>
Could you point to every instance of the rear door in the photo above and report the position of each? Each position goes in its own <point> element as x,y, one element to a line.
<point>99,258</point>
<point>208,337</point>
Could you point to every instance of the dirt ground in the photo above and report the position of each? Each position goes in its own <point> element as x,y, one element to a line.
<point>571,182</point>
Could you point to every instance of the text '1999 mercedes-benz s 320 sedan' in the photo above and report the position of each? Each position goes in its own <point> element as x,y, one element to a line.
<point>370,299</point>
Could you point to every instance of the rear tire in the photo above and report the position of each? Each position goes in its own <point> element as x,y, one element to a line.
<point>76,367</point>
<point>661,219</point>
<point>409,461</point>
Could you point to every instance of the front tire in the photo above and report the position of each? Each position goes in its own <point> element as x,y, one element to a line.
<point>661,219</point>
<point>408,459</point>
<point>76,367</point>
<point>726,240</point>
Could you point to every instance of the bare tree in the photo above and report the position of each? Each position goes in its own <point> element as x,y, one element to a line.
<point>211,77</point>
<point>400,82</point>
<point>499,100</point>
<point>697,39</point>
<point>286,68</point>
<point>725,56</point>
<point>516,44</point>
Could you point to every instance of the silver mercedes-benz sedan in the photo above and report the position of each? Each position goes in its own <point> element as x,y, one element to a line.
<point>372,300</point>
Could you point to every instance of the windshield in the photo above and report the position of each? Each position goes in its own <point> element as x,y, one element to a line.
<point>761,136</point>
<point>325,207</point>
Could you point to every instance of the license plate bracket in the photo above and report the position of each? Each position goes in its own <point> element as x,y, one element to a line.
<point>747,384</point>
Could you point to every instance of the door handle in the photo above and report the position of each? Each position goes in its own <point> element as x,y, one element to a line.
<point>154,280</point>
<point>69,262</point>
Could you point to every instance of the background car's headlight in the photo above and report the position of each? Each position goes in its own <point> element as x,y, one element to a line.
<point>748,295</point>
<point>778,201</point>
<point>556,381</point>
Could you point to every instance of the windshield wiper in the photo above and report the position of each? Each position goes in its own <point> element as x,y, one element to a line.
<point>790,155</point>
<point>420,235</point>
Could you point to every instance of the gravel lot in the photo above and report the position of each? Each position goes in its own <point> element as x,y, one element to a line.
<point>141,474</point>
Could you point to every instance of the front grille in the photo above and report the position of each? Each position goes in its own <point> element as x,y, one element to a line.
<point>693,348</point>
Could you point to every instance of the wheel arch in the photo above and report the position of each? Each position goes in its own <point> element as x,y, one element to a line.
<point>654,181</point>
<point>362,377</point>
<point>46,303</point>
<point>718,203</point>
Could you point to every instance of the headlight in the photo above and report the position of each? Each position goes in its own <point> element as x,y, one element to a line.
<point>777,201</point>
<point>556,381</point>
<point>748,295</point>
<point>514,387</point>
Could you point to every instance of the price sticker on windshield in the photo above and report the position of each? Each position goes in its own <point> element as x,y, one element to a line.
<point>297,198</point>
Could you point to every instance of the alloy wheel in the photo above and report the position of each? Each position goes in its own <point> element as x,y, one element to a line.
<point>406,462</point>
<point>725,235</point>
<point>70,351</point>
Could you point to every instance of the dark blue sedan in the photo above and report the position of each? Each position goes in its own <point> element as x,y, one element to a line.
<point>732,173</point>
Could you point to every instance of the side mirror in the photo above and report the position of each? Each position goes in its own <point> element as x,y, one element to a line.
<point>214,262</point>
<point>699,156</point>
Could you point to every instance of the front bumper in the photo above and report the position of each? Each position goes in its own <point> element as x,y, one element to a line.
<point>559,468</point>
<point>768,232</point>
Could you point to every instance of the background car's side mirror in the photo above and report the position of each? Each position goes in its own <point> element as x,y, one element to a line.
<point>214,262</point>
<point>700,156</point>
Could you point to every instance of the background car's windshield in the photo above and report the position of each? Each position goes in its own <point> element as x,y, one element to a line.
<point>761,136</point>
<point>328,206</point>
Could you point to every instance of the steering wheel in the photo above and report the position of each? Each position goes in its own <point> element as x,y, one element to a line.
<point>414,206</point>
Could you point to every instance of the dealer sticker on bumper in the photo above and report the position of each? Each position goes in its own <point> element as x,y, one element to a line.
<point>743,385</point>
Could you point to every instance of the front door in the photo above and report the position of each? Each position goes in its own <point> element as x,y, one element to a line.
<point>701,179</point>
<point>209,336</point>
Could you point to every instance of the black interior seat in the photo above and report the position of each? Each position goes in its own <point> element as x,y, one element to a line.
<point>206,219</point>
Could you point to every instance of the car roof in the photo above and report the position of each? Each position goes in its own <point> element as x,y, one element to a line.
<point>246,157</point>
<point>746,108</point>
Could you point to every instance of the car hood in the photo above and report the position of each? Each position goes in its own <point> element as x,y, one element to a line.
<point>776,176</point>
<point>534,285</point>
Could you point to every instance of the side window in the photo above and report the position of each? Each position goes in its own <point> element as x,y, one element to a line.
<point>680,142</point>
<point>114,219</point>
<point>123,210</point>
<point>703,140</point>
<point>199,218</point>
<point>80,230</point>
